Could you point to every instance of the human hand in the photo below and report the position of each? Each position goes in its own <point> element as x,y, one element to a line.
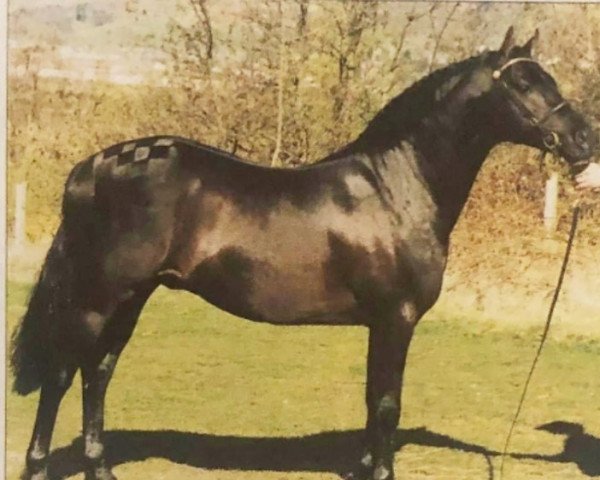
<point>589,178</point>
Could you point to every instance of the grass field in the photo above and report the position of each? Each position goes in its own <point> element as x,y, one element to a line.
<point>201,394</point>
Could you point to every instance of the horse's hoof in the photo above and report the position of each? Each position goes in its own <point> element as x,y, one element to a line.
<point>382,473</point>
<point>101,473</point>
<point>359,473</point>
<point>362,474</point>
<point>364,469</point>
<point>356,475</point>
<point>39,475</point>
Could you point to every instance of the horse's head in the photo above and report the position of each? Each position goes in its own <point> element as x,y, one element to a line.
<point>529,109</point>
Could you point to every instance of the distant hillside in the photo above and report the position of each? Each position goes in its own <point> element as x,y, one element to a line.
<point>101,25</point>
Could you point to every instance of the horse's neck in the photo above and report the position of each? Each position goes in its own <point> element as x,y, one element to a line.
<point>443,156</point>
<point>443,150</point>
<point>450,166</point>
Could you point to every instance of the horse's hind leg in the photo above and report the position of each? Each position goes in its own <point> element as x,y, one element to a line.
<point>96,372</point>
<point>53,389</point>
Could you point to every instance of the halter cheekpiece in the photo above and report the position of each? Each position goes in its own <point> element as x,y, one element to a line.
<point>550,138</point>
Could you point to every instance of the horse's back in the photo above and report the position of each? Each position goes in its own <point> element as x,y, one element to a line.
<point>279,245</point>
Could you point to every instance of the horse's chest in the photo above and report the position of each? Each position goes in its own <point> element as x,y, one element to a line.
<point>422,262</point>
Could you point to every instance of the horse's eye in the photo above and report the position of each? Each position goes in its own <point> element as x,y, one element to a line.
<point>523,87</point>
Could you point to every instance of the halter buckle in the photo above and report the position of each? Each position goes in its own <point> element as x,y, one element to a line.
<point>551,140</point>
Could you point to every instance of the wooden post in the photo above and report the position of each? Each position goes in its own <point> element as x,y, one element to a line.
<point>550,203</point>
<point>19,236</point>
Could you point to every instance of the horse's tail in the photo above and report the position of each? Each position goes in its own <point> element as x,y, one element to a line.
<point>33,352</point>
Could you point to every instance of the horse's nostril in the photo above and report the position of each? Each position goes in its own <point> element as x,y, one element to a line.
<point>581,137</point>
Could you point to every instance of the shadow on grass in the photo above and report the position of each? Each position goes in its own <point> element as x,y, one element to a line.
<point>579,448</point>
<point>332,452</point>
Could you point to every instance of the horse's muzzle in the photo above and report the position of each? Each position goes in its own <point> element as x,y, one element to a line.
<point>580,149</point>
<point>579,166</point>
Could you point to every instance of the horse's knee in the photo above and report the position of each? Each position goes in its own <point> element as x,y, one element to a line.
<point>388,412</point>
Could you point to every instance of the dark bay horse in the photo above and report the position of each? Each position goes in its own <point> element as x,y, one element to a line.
<point>360,237</point>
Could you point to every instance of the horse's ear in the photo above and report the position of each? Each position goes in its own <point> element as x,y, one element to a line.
<point>531,43</point>
<point>508,43</point>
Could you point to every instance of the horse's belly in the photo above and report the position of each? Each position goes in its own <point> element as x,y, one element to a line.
<point>279,269</point>
<point>257,290</point>
<point>302,295</point>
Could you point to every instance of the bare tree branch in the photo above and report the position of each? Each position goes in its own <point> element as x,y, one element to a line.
<point>303,19</point>
<point>440,34</point>
<point>410,19</point>
<point>275,161</point>
<point>204,42</point>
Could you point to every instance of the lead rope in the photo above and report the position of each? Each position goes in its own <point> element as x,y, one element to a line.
<point>561,277</point>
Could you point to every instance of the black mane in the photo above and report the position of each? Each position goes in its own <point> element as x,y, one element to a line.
<point>407,110</point>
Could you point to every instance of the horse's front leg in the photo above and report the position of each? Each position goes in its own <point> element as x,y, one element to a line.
<point>389,339</point>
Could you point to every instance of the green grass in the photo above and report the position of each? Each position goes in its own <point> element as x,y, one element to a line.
<point>201,394</point>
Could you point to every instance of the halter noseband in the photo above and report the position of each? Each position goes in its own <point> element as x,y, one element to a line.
<point>550,138</point>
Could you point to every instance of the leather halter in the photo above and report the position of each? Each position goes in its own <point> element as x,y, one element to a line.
<point>550,138</point>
